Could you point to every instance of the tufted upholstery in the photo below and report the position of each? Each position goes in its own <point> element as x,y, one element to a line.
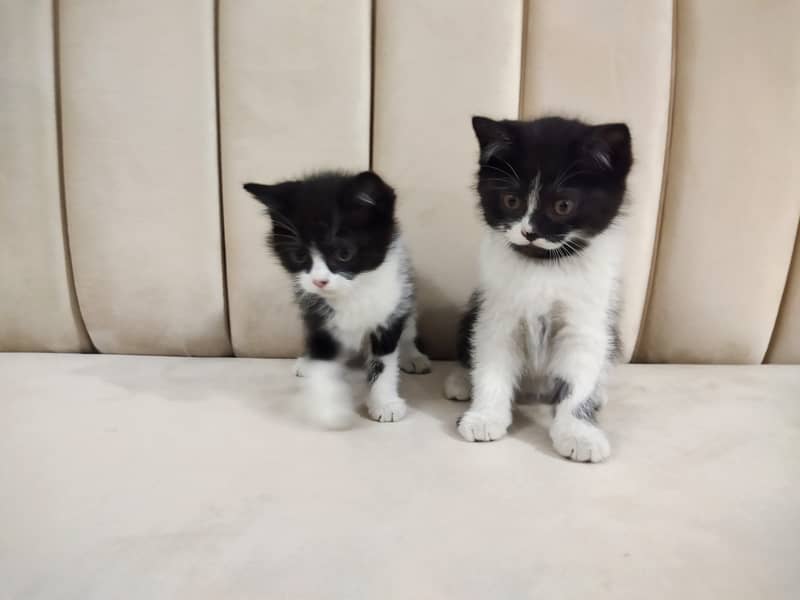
<point>125,133</point>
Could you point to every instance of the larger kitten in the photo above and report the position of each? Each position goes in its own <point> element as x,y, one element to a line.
<point>545,308</point>
<point>336,235</point>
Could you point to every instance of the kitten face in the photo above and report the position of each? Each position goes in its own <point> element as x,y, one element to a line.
<point>329,228</point>
<point>552,184</point>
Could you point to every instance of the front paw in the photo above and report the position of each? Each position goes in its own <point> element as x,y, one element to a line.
<point>579,440</point>
<point>387,411</point>
<point>482,426</point>
<point>300,366</point>
<point>415,362</point>
<point>457,385</point>
<point>330,415</point>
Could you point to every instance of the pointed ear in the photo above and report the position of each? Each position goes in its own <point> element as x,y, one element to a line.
<point>370,196</point>
<point>372,191</point>
<point>493,137</point>
<point>609,148</point>
<point>274,197</point>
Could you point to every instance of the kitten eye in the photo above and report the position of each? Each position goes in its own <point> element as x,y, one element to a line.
<point>298,255</point>
<point>510,201</point>
<point>563,207</point>
<point>345,254</point>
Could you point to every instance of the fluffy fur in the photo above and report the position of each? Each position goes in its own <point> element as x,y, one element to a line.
<point>544,313</point>
<point>336,235</point>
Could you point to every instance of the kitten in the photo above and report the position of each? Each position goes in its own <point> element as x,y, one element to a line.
<point>545,308</point>
<point>336,235</point>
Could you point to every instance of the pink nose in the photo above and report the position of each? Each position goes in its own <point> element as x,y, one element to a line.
<point>320,283</point>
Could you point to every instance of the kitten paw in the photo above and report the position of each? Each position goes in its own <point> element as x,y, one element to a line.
<point>482,426</point>
<point>415,362</point>
<point>579,440</point>
<point>457,385</point>
<point>331,416</point>
<point>300,366</point>
<point>387,411</point>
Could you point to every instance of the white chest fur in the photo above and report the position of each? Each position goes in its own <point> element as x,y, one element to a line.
<point>578,292</point>
<point>372,298</point>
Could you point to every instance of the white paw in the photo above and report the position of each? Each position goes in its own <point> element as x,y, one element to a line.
<point>415,361</point>
<point>579,440</point>
<point>387,411</point>
<point>300,366</point>
<point>482,426</point>
<point>331,415</point>
<point>457,385</point>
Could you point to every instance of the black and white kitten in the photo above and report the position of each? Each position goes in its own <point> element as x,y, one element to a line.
<point>545,309</point>
<point>336,235</point>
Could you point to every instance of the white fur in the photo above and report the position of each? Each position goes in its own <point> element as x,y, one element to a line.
<point>384,404</point>
<point>364,302</point>
<point>457,385</point>
<point>519,297</point>
<point>360,305</point>
<point>328,398</point>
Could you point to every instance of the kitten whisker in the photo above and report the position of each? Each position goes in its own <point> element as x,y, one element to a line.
<point>512,169</point>
<point>510,176</point>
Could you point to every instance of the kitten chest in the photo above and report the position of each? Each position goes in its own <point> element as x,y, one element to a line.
<point>362,313</point>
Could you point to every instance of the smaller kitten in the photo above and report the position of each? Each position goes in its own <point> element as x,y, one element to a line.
<point>336,235</point>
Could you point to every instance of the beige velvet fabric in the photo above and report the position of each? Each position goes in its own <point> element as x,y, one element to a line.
<point>140,173</point>
<point>432,75</point>
<point>733,193</point>
<point>294,98</point>
<point>785,344</point>
<point>166,110</point>
<point>612,64</point>
<point>38,310</point>
<point>145,477</point>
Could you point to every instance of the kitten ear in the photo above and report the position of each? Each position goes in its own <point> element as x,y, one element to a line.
<point>274,197</point>
<point>609,148</point>
<point>493,137</point>
<point>370,191</point>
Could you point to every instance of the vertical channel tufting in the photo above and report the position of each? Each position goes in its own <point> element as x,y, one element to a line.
<point>38,308</point>
<point>436,65</point>
<point>140,174</point>
<point>294,82</point>
<point>733,196</point>
<point>785,344</point>
<point>614,63</point>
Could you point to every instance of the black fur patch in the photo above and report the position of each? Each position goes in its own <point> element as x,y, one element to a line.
<point>465,330</point>
<point>384,339</point>
<point>348,218</point>
<point>375,367</point>
<point>321,345</point>
<point>586,411</point>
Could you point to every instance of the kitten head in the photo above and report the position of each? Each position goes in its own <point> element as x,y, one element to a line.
<point>552,184</point>
<point>329,228</point>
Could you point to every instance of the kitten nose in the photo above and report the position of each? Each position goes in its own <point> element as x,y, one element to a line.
<point>529,235</point>
<point>320,283</point>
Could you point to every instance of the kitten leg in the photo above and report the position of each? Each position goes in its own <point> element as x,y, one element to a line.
<point>579,363</point>
<point>412,359</point>
<point>384,403</point>
<point>496,365</point>
<point>301,366</point>
<point>457,385</point>
<point>328,400</point>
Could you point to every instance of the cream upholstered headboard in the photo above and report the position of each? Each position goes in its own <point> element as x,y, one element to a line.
<point>127,128</point>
